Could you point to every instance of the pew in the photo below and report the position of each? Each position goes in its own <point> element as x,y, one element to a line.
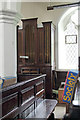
<point>43,110</point>
<point>21,99</point>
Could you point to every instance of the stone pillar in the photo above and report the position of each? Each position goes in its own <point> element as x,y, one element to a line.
<point>9,18</point>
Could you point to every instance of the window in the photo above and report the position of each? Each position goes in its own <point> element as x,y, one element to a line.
<point>68,41</point>
<point>71,46</point>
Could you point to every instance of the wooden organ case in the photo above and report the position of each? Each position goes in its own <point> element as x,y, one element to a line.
<point>38,44</point>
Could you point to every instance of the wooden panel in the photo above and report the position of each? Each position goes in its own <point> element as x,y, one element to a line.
<point>41,45</point>
<point>30,36</point>
<point>30,43</point>
<point>39,86</point>
<point>10,103</point>
<point>27,111</point>
<point>11,114</point>
<point>47,42</point>
<point>20,47</point>
<point>23,77</point>
<point>27,104</point>
<point>48,82</point>
<point>61,77</point>
<point>27,93</point>
<point>27,70</point>
<point>40,93</point>
<point>60,95</point>
<point>32,82</point>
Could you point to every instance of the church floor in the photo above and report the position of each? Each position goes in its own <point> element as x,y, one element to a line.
<point>59,111</point>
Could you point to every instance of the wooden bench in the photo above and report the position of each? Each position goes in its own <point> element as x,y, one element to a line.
<point>24,98</point>
<point>44,110</point>
<point>20,99</point>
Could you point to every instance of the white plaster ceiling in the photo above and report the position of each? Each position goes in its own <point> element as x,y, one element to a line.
<point>55,1</point>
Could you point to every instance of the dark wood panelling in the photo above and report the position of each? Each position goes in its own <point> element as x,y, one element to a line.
<point>37,46</point>
<point>20,47</point>
<point>60,77</point>
<point>19,97</point>
<point>43,69</point>
<point>40,46</point>
<point>10,103</point>
<point>23,77</point>
<point>39,86</point>
<point>28,93</point>
<point>27,111</point>
<point>30,36</point>
<point>48,83</point>
<point>40,93</point>
<point>47,42</point>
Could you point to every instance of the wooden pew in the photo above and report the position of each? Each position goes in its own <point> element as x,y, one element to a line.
<point>20,99</point>
<point>44,110</point>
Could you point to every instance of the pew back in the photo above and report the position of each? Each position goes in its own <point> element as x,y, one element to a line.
<point>20,99</point>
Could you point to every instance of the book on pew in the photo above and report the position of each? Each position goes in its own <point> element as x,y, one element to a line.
<point>7,81</point>
<point>70,82</point>
<point>1,82</point>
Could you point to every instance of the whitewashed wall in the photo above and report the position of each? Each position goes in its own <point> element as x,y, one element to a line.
<point>39,9</point>
<point>8,51</point>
